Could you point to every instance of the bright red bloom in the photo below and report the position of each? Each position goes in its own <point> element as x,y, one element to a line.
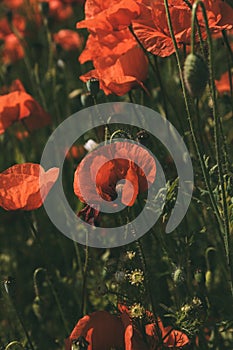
<point>103,331</point>
<point>109,15</point>
<point>172,338</point>
<point>119,63</point>
<point>68,39</point>
<point>126,72</point>
<point>25,186</point>
<point>12,49</point>
<point>152,29</point>
<point>223,84</point>
<point>120,161</point>
<point>13,4</point>
<point>18,106</point>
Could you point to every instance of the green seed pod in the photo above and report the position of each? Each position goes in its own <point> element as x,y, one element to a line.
<point>178,276</point>
<point>208,279</point>
<point>196,75</point>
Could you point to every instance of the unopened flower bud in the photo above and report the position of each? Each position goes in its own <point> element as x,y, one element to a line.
<point>119,276</point>
<point>196,75</point>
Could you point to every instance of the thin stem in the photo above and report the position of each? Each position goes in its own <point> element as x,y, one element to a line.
<point>38,240</point>
<point>21,322</point>
<point>85,272</point>
<point>217,136</point>
<point>202,163</point>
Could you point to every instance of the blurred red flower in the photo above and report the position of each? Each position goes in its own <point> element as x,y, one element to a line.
<point>92,180</point>
<point>119,63</point>
<point>152,29</point>
<point>17,106</point>
<point>68,39</point>
<point>223,84</point>
<point>12,49</point>
<point>13,4</point>
<point>25,186</point>
<point>103,331</point>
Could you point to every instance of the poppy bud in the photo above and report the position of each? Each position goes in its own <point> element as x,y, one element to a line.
<point>142,137</point>
<point>178,276</point>
<point>208,279</point>
<point>87,99</point>
<point>198,276</point>
<point>93,86</point>
<point>196,75</point>
<point>119,276</point>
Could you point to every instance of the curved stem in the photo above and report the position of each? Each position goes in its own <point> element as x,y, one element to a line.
<point>14,343</point>
<point>202,163</point>
<point>217,123</point>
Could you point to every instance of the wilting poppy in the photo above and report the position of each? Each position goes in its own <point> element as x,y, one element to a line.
<point>25,186</point>
<point>68,39</point>
<point>121,161</point>
<point>18,106</point>
<point>152,29</point>
<point>223,84</point>
<point>103,331</point>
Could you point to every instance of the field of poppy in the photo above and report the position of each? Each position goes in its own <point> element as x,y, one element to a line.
<point>60,58</point>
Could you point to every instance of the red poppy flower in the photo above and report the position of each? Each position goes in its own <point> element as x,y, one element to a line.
<point>172,338</point>
<point>111,15</point>
<point>119,63</point>
<point>59,9</point>
<point>152,29</point>
<point>68,39</point>
<point>128,71</point>
<point>18,106</point>
<point>103,331</point>
<point>13,4</point>
<point>12,49</point>
<point>18,22</point>
<point>120,161</point>
<point>25,186</point>
<point>223,84</point>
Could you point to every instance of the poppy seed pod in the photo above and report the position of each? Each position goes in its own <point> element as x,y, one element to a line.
<point>196,75</point>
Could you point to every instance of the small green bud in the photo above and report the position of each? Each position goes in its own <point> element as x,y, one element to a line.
<point>196,75</point>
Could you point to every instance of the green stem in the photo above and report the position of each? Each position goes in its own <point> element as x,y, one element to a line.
<point>38,240</point>
<point>202,163</point>
<point>217,136</point>
<point>85,273</point>
<point>22,323</point>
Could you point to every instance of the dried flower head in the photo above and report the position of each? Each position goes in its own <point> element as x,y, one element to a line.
<point>136,277</point>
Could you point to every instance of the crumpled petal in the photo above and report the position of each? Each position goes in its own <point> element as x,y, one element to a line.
<point>25,186</point>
